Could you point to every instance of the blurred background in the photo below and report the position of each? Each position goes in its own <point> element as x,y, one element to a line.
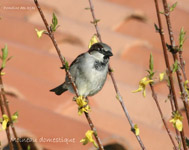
<point>128,27</point>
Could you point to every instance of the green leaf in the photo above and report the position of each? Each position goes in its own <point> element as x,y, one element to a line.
<point>117,97</point>
<point>28,147</point>
<point>95,21</point>
<point>156,27</point>
<point>181,38</point>
<point>54,23</point>
<point>4,56</point>
<point>66,65</point>
<point>54,20</point>
<point>4,52</point>
<point>95,133</point>
<point>14,117</point>
<point>151,63</point>
<point>172,7</point>
<point>151,67</point>
<point>151,75</point>
<point>10,58</point>
<point>87,8</point>
<point>168,82</point>
<point>175,66</point>
<point>162,12</point>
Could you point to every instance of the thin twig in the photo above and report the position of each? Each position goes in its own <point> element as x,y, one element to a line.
<point>94,129</point>
<point>169,72</point>
<point>125,110</point>
<point>7,129</point>
<point>184,95</point>
<point>51,35</point>
<point>113,79</point>
<point>161,33</point>
<point>9,113</point>
<point>182,63</point>
<point>173,110</point>
<point>95,20</point>
<point>154,95</point>
<point>9,138</point>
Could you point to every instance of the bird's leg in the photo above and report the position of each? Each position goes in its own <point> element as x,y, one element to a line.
<point>74,98</point>
<point>86,99</point>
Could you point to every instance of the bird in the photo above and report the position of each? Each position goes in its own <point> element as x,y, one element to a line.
<point>89,71</point>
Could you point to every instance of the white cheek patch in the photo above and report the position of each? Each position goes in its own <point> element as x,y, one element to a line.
<point>98,56</point>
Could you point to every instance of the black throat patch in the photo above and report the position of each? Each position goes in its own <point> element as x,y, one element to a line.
<point>98,65</point>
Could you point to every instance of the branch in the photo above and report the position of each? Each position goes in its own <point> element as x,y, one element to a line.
<point>154,95</point>
<point>62,59</point>
<point>169,72</point>
<point>184,95</point>
<point>7,129</point>
<point>94,20</point>
<point>168,68</point>
<point>5,101</point>
<point>182,63</point>
<point>113,80</point>
<point>173,110</point>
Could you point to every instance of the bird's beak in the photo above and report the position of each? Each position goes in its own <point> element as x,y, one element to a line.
<point>109,54</point>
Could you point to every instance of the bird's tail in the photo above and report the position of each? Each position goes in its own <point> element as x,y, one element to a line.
<point>59,89</point>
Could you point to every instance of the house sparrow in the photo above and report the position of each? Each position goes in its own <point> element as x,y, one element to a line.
<point>89,71</point>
